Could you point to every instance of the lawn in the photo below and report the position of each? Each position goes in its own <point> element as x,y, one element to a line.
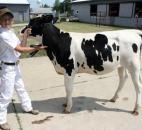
<point>69,27</point>
<point>85,27</point>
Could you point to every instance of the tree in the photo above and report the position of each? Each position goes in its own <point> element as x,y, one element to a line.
<point>65,7</point>
<point>57,7</point>
<point>46,6</point>
<point>68,6</point>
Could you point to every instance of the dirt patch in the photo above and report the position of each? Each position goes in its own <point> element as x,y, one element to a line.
<point>42,120</point>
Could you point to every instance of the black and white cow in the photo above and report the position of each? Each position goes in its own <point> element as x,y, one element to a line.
<point>94,53</point>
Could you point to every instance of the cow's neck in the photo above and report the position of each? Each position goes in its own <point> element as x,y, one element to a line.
<point>58,46</point>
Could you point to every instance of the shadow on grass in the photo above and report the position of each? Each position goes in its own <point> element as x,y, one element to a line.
<point>55,105</point>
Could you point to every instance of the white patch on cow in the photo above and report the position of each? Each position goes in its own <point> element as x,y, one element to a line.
<point>57,66</point>
<point>105,46</point>
<point>97,52</point>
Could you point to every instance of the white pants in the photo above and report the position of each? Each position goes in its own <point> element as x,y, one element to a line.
<point>11,78</point>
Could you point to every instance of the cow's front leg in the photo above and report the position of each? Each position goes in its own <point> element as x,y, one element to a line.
<point>69,88</point>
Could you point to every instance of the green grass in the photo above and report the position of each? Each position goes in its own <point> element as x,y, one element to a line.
<point>70,27</point>
<point>85,27</point>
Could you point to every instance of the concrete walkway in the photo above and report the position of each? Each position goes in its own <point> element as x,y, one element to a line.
<point>91,110</point>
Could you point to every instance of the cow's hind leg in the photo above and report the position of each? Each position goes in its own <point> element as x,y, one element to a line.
<point>135,74</point>
<point>122,78</point>
<point>69,88</point>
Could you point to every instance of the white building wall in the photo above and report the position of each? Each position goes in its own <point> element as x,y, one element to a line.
<point>126,15</point>
<point>82,12</point>
<point>20,12</point>
<point>130,22</point>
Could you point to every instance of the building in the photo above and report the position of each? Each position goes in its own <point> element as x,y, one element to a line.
<point>41,11</point>
<point>109,12</point>
<point>20,9</point>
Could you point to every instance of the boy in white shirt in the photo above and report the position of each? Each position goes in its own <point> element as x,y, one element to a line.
<point>10,50</point>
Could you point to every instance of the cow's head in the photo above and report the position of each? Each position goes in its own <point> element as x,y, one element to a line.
<point>37,25</point>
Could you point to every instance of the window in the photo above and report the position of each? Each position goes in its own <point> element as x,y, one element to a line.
<point>114,9</point>
<point>138,9</point>
<point>93,10</point>
<point>72,12</point>
<point>21,16</point>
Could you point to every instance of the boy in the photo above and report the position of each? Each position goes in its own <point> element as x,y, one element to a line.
<point>10,49</point>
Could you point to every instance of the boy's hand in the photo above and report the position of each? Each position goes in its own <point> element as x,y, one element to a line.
<point>27,32</point>
<point>39,46</point>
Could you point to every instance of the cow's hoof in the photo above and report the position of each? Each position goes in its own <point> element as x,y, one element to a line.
<point>66,112</point>
<point>135,113</point>
<point>64,105</point>
<point>112,100</point>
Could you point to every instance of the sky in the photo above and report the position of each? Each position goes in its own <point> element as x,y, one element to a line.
<point>35,3</point>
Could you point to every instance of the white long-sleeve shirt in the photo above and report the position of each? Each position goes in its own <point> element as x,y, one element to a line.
<point>8,42</point>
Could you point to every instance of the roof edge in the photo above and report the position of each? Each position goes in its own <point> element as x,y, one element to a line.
<point>102,1</point>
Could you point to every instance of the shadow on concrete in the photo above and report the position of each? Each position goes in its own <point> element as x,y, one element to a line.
<point>82,103</point>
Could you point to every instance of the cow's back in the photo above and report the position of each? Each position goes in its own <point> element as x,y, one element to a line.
<point>118,51</point>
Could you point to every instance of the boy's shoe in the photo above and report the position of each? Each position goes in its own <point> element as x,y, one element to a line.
<point>34,112</point>
<point>4,126</point>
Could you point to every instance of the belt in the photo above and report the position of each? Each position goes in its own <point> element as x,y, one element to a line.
<point>10,63</point>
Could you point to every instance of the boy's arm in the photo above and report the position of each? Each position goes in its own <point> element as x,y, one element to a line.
<point>23,49</point>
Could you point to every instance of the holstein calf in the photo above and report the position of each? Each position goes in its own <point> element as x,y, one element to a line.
<point>94,53</point>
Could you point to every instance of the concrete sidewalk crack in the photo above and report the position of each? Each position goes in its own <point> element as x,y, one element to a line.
<point>75,83</point>
<point>17,116</point>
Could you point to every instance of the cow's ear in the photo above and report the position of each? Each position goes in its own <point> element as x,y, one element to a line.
<point>47,18</point>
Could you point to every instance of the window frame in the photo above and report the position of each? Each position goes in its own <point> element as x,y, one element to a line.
<point>93,12</point>
<point>112,7</point>
<point>138,10</point>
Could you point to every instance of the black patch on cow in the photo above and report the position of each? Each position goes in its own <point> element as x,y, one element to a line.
<point>100,42</point>
<point>140,50</point>
<point>100,45</point>
<point>114,46</point>
<point>69,67</point>
<point>83,65</point>
<point>117,48</point>
<point>95,71</point>
<point>59,46</point>
<point>107,54</point>
<point>78,64</point>
<point>134,47</point>
<point>117,58</point>
<point>141,47</point>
